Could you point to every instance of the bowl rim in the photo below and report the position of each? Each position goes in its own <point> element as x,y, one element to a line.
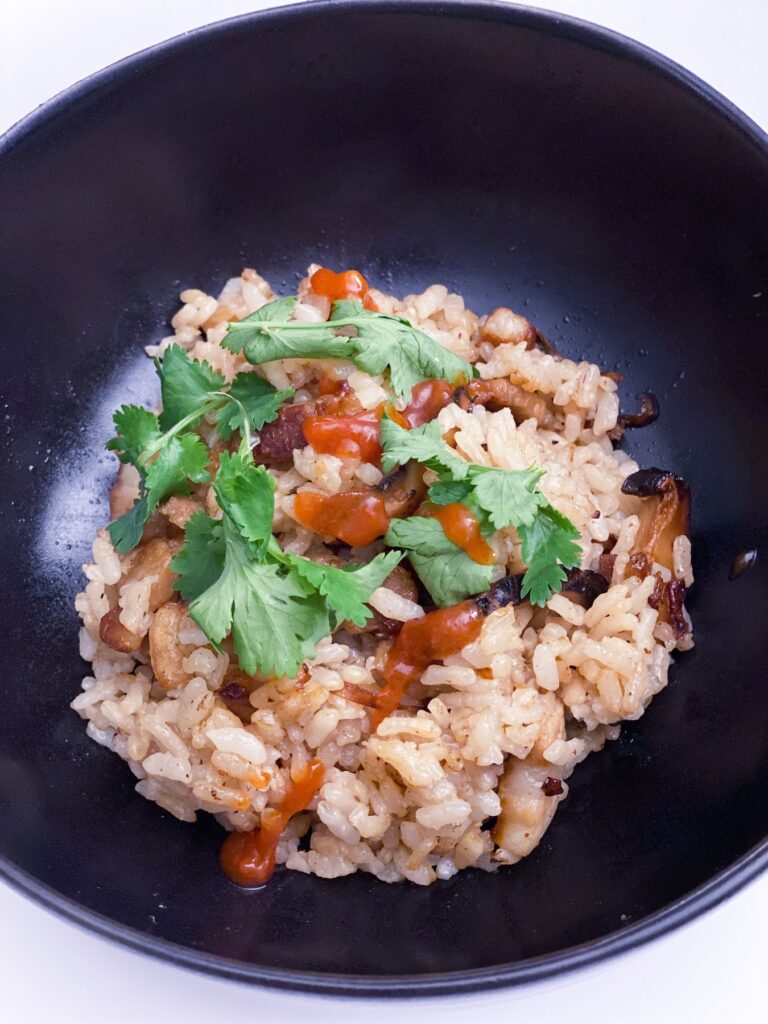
<point>675,914</point>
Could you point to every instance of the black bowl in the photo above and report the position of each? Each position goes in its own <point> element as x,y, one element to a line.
<point>524,159</point>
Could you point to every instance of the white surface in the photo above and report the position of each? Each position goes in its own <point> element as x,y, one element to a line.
<point>711,970</point>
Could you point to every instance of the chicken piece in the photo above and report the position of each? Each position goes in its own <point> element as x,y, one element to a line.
<point>179,511</point>
<point>551,729</point>
<point>503,326</point>
<point>153,558</point>
<point>166,652</point>
<point>117,636</point>
<point>526,810</point>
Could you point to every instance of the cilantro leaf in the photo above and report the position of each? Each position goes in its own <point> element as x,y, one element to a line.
<point>448,573</point>
<point>185,457</point>
<point>201,561</point>
<point>125,531</point>
<point>275,619</point>
<point>267,335</point>
<point>549,546</point>
<point>498,497</point>
<point>346,590</point>
<point>137,428</point>
<point>296,341</point>
<point>279,310</point>
<point>167,459</point>
<point>253,399</point>
<point>508,496</point>
<point>185,385</point>
<point>181,459</point>
<point>447,492</point>
<point>424,444</point>
<point>390,343</point>
<point>381,343</point>
<point>344,309</point>
<point>246,494</point>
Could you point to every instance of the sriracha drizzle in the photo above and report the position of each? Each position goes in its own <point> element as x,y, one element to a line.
<point>248,858</point>
<point>355,517</point>
<point>462,527</point>
<point>421,642</point>
<point>427,399</point>
<point>354,436</point>
<point>347,284</point>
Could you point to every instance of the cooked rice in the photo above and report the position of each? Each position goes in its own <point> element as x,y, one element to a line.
<point>537,692</point>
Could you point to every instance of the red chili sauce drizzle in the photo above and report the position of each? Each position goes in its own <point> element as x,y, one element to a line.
<point>462,527</point>
<point>354,437</point>
<point>347,284</point>
<point>355,517</point>
<point>427,399</point>
<point>357,435</point>
<point>248,858</point>
<point>420,643</point>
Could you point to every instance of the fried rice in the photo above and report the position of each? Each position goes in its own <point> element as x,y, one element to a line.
<point>470,769</point>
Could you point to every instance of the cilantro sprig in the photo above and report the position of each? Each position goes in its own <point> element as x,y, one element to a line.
<point>276,604</point>
<point>169,456</point>
<point>381,343</point>
<point>499,497</point>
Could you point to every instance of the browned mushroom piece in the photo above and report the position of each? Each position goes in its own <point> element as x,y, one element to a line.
<point>583,586</point>
<point>647,414</point>
<point>236,693</point>
<point>505,591</point>
<point>279,439</point>
<point>403,584</point>
<point>605,564</point>
<point>669,600</point>
<point>664,514</point>
<point>500,393</point>
<point>462,398</point>
<point>403,490</point>
<point>503,326</point>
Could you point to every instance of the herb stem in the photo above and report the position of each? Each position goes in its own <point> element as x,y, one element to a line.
<point>151,450</point>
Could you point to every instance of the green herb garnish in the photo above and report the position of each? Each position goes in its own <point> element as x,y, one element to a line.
<point>381,343</point>
<point>448,573</point>
<point>276,605</point>
<point>499,497</point>
<point>170,458</point>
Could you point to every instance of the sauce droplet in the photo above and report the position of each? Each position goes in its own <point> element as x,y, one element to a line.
<point>347,284</point>
<point>355,517</point>
<point>427,399</point>
<point>248,858</point>
<point>346,436</point>
<point>742,563</point>
<point>462,527</point>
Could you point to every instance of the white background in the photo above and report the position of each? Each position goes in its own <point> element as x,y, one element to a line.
<point>711,970</point>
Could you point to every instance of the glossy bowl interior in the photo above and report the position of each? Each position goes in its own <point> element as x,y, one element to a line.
<point>524,159</point>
